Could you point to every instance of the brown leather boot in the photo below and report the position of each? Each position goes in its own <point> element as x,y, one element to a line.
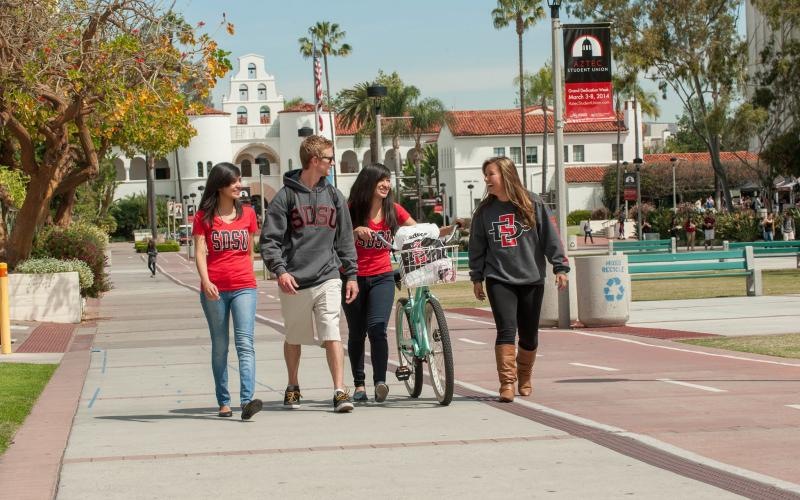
<point>506,370</point>
<point>525,361</point>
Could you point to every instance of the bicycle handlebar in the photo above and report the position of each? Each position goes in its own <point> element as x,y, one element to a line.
<point>448,239</point>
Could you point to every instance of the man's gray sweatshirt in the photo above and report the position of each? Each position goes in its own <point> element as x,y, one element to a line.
<point>307,234</point>
<point>503,248</point>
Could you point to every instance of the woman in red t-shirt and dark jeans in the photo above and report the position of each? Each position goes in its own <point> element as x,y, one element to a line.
<point>373,211</point>
<point>223,233</point>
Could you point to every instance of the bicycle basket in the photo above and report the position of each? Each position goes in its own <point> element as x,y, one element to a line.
<point>428,262</point>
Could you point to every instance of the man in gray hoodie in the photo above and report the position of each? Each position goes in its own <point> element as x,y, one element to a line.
<point>307,241</point>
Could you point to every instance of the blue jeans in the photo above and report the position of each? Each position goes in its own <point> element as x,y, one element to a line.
<point>368,316</point>
<point>241,304</point>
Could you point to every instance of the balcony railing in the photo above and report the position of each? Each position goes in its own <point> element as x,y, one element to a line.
<point>250,132</point>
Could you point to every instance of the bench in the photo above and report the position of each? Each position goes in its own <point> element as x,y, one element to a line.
<point>641,246</point>
<point>690,265</point>
<point>768,248</point>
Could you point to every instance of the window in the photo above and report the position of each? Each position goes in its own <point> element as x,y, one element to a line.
<point>532,155</point>
<point>241,116</point>
<point>209,166</point>
<point>577,152</point>
<point>566,154</point>
<point>516,155</point>
<point>499,151</point>
<point>243,92</point>
<point>247,168</point>
<point>263,165</point>
<point>262,92</point>
<point>263,115</point>
<point>199,169</point>
<point>251,71</point>
<point>162,169</point>
<point>616,152</point>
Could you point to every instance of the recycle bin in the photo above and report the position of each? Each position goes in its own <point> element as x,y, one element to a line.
<point>605,288</point>
<point>572,242</point>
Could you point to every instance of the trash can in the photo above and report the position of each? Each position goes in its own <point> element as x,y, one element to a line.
<point>572,241</point>
<point>548,317</point>
<point>604,294</point>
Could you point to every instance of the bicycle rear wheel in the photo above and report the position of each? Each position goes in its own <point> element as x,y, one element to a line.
<point>405,334</point>
<point>440,359</point>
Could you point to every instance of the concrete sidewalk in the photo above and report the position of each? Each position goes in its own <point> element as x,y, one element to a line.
<point>146,427</point>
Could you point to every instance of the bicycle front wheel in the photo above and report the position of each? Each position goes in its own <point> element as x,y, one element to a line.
<point>405,348</point>
<point>440,359</point>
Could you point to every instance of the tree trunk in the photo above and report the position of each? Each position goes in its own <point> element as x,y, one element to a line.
<point>64,213</point>
<point>619,173</point>
<point>151,196</point>
<point>721,175</point>
<point>522,113</point>
<point>32,212</point>
<point>544,148</point>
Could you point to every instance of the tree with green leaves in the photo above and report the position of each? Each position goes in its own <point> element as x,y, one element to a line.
<point>522,14</point>
<point>77,78</point>
<point>690,46</point>
<point>539,87</point>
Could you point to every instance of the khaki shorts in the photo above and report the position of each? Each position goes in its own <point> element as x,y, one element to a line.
<point>311,316</point>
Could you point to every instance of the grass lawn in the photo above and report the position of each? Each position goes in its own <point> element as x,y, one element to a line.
<point>785,346</point>
<point>20,385</point>
<point>776,282</point>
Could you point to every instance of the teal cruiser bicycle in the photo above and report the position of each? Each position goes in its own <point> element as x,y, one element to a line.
<point>420,324</point>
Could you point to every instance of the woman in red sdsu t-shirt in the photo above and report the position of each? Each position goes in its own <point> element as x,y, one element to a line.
<point>223,233</point>
<point>373,211</point>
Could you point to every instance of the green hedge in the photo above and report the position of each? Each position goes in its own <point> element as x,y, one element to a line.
<point>78,241</point>
<point>49,265</point>
<point>167,246</point>
<point>576,216</point>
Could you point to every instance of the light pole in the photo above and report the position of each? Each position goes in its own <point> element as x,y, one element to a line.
<point>471,199</point>
<point>186,223</point>
<point>558,140</point>
<point>674,162</point>
<point>638,163</point>
<point>263,169</point>
<point>376,93</point>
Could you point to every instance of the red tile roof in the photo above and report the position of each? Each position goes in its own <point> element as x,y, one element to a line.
<point>592,173</point>
<point>705,157</point>
<point>304,107</point>
<point>209,111</point>
<point>507,122</point>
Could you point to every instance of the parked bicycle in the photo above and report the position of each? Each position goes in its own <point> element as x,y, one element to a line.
<point>420,324</point>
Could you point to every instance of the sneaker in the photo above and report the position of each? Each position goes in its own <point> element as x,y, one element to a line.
<point>360,396</point>
<point>291,398</point>
<point>251,408</point>
<point>381,391</point>
<point>342,402</point>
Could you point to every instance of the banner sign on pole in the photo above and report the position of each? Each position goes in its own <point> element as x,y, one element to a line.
<point>587,73</point>
<point>629,185</point>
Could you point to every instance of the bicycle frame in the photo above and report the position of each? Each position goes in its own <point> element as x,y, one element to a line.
<point>416,308</point>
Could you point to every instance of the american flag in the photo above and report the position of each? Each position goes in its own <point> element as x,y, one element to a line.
<point>318,89</point>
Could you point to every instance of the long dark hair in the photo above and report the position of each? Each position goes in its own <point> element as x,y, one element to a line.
<point>516,193</point>
<point>363,190</point>
<point>221,176</point>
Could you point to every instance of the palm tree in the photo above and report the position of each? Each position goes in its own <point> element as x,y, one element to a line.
<point>540,88</point>
<point>328,39</point>
<point>524,14</point>
<point>426,115</point>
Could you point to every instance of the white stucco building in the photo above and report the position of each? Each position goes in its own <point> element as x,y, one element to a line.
<point>252,125</point>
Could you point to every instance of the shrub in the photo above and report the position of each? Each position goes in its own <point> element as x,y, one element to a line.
<point>50,265</point>
<point>601,213</point>
<point>738,226</point>
<point>576,216</point>
<point>167,246</point>
<point>78,241</point>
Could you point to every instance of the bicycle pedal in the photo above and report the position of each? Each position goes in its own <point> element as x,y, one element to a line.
<point>402,373</point>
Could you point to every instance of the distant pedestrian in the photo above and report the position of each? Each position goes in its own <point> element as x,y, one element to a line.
<point>709,202</point>
<point>621,226</point>
<point>152,252</point>
<point>587,231</point>
<point>768,226</point>
<point>709,224</point>
<point>691,230</point>
<point>787,226</point>
<point>223,232</point>
<point>674,227</point>
<point>512,234</point>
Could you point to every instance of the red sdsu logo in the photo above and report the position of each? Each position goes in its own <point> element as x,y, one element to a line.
<point>507,230</point>
<point>238,240</point>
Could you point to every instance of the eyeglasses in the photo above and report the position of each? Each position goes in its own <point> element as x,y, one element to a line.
<point>329,158</point>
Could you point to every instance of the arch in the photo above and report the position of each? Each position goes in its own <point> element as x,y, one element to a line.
<point>119,167</point>
<point>254,152</point>
<point>349,164</point>
<point>251,70</point>
<point>270,165</point>
<point>262,92</point>
<point>413,155</point>
<point>389,159</point>
<point>264,115</point>
<point>247,168</point>
<point>366,159</point>
<point>244,92</point>
<point>162,169</point>
<point>138,169</point>
<point>209,166</point>
<point>241,115</point>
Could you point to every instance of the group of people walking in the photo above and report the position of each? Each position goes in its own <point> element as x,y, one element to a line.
<point>330,254</point>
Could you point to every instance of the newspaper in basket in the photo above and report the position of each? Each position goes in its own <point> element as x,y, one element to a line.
<point>424,259</point>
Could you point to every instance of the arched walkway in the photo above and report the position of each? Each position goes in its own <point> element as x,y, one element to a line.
<point>119,167</point>
<point>138,169</point>
<point>349,164</point>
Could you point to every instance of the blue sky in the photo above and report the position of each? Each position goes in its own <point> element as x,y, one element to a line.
<point>447,48</point>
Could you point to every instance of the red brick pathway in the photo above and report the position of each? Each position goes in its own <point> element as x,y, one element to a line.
<point>48,337</point>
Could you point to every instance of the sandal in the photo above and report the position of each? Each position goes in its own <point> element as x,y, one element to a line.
<point>227,413</point>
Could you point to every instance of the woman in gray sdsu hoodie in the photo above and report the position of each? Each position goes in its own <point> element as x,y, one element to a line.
<point>511,235</point>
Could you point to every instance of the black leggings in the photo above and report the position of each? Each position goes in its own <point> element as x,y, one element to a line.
<point>516,307</point>
<point>151,264</point>
<point>368,315</point>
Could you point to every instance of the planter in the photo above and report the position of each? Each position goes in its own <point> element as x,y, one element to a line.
<point>54,298</point>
